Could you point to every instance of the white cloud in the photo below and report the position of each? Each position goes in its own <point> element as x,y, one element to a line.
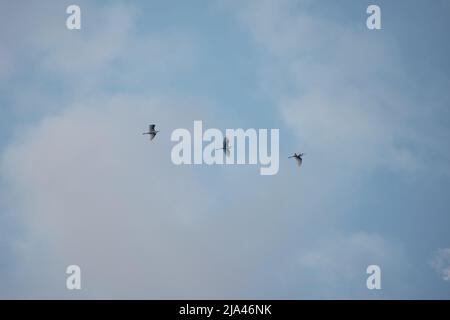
<point>90,190</point>
<point>98,194</point>
<point>441,263</point>
<point>337,267</point>
<point>338,88</point>
<point>110,51</point>
<point>40,33</point>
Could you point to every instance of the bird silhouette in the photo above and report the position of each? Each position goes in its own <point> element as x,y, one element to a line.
<point>151,131</point>
<point>298,158</point>
<point>225,146</point>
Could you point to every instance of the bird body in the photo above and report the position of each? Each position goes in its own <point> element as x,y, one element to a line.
<point>151,131</point>
<point>298,158</point>
<point>225,146</point>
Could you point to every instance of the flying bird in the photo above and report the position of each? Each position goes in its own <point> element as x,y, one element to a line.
<point>225,146</point>
<point>298,158</point>
<point>151,131</point>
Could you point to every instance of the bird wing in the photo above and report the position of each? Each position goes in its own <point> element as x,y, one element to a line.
<point>299,161</point>
<point>152,135</point>
<point>151,128</point>
<point>227,152</point>
<point>226,143</point>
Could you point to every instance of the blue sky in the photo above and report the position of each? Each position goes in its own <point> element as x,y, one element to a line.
<point>80,186</point>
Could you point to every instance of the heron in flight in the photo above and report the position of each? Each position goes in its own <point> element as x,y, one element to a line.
<point>151,131</point>
<point>226,146</point>
<point>298,158</point>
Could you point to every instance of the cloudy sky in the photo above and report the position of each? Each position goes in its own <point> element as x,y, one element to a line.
<point>80,185</point>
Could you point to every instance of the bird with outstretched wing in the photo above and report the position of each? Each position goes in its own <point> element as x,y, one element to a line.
<point>151,131</point>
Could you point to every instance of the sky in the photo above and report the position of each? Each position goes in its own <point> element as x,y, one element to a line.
<point>79,184</point>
